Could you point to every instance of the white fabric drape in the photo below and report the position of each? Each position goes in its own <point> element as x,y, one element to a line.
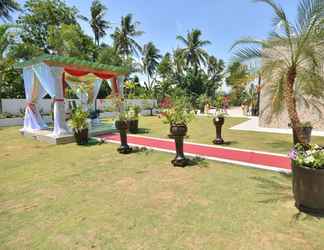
<point>51,80</point>
<point>120,85</point>
<point>33,91</point>
<point>84,97</point>
<point>96,88</point>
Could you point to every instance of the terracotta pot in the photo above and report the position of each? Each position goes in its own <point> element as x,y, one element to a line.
<point>81,136</point>
<point>218,122</point>
<point>307,131</point>
<point>308,189</point>
<point>132,126</point>
<point>178,131</point>
<point>121,126</point>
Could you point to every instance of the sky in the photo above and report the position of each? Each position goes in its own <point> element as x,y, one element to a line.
<point>222,22</point>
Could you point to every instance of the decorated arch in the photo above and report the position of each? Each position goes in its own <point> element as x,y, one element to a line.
<point>51,74</point>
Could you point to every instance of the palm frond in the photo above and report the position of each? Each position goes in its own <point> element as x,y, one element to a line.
<point>307,11</point>
<point>247,40</point>
<point>246,54</point>
<point>182,39</point>
<point>280,20</point>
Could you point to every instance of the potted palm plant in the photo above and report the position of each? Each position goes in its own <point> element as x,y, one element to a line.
<point>79,124</point>
<point>308,177</point>
<point>121,125</point>
<point>291,59</point>
<point>132,118</point>
<point>178,116</point>
<point>219,119</point>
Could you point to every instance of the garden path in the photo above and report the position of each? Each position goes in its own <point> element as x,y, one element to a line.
<point>249,158</point>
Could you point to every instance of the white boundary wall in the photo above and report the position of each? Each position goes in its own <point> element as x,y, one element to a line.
<point>17,106</point>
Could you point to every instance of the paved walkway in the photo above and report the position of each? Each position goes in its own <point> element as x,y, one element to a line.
<point>253,125</point>
<point>249,158</point>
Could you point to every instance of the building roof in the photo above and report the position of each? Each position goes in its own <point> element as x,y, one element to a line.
<point>75,63</point>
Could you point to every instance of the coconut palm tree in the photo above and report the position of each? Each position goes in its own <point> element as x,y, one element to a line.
<point>5,39</point>
<point>215,74</point>
<point>124,37</point>
<point>98,25</point>
<point>150,62</point>
<point>7,6</point>
<point>291,58</point>
<point>193,52</point>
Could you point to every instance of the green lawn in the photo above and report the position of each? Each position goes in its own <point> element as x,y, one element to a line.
<point>74,197</point>
<point>202,130</point>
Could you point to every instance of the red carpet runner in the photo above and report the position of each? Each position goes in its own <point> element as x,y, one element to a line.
<point>243,157</point>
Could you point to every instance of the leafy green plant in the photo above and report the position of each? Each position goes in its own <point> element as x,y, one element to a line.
<point>202,100</point>
<point>311,155</point>
<point>303,125</point>
<point>79,119</point>
<point>219,102</point>
<point>133,112</point>
<point>179,113</point>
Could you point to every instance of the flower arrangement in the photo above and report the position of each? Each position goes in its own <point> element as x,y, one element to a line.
<point>311,155</point>
<point>178,113</point>
<point>166,103</point>
<point>219,114</point>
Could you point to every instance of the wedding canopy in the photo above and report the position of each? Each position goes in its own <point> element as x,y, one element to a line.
<point>48,74</point>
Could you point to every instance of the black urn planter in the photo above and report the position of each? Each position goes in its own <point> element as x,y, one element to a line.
<point>218,122</point>
<point>132,126</point>
<point>307,131</point>
<point>178,131</point>
<point>308,189</point>
<point>81,136</point>
<point>122,127</point>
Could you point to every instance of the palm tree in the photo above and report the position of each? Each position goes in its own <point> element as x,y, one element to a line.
<point>124,37</point>
<point>193,53</point>
<point>215,75</point>
<point>150,62</point>
<point>7,6</point>
<point>98,25</point>
<point>5,39</point>
<point>292,57</point>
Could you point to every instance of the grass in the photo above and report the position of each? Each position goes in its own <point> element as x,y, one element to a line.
<point>202,130</point>
<point>83,197</point>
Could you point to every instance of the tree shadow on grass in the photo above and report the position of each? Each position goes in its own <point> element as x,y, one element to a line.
<point>93,142</point>
<point>280,144</point>
<point>143,131</point>
<point>280,190</point>
<point>197,161</point>
<point>229,143</point>
<point>274,189</point>
<point>144,150</point>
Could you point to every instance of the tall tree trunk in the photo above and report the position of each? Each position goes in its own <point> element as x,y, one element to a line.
<point>291,105</point>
